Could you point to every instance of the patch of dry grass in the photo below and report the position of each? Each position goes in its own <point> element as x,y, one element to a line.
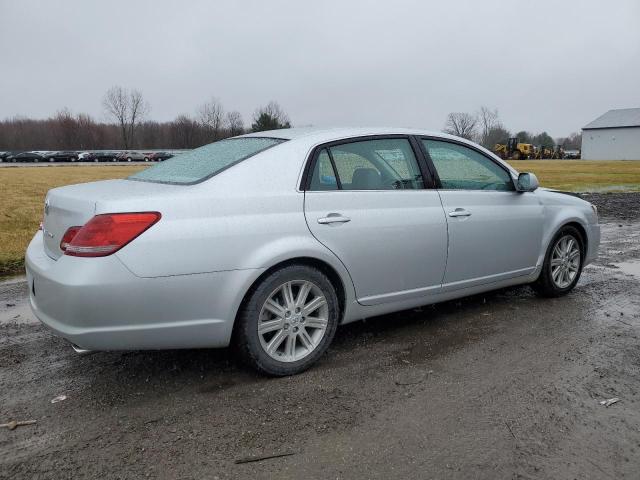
<point>584,175</point>
<point>22,192</point>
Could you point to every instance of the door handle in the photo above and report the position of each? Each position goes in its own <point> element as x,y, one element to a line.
<point>333,218</point>
<point>460,212</point>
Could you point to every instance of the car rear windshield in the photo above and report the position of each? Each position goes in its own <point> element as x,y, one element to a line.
<point>204,162</point>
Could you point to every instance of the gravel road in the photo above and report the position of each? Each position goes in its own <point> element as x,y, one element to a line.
<point>502,385</point>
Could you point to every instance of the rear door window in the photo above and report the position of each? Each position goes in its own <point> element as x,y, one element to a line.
<point>377,164</point>
<point>324,177</point>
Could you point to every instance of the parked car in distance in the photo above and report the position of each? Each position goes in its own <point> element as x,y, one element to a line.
<point>104,156</point>
<point>270,240</point>
<point>5,155</point>
<point>61,156</point>
<point>85,157</point>
<point>25,157</point>
<point>129,156</point>
<point>160,156</point>
<point>572,154</point>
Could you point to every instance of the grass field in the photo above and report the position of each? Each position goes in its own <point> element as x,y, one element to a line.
<point>22,202</point>
<point>584,175</point>
<point>22,192</point>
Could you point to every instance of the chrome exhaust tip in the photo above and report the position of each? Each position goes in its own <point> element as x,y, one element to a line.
<point>79,350</point>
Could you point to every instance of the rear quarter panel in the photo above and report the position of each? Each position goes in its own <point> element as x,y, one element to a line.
<point>249,216</point>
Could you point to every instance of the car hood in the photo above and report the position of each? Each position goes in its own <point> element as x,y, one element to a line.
<point>559,197</point>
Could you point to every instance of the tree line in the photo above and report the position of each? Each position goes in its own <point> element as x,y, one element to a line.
<point>486,128</point>
<point>130,128</point>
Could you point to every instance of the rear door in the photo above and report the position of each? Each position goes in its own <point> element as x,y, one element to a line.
<point>366,201</point>
<point>495,232</point>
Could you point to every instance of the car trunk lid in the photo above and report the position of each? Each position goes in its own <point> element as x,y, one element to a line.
<point>75,205</point>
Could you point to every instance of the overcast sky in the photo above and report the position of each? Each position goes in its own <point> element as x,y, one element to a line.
<point>544,64</point>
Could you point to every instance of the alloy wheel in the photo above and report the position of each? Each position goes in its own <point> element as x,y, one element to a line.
<point>293,321</point>
<point>565,261</point>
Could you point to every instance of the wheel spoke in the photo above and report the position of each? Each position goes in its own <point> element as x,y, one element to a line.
<point>556,262</point>
<point>575,253</point>
<point>303,293</point>
<point>315,322</point>
<point>275,342</point>
<point>569,246</point>
<point>290,347</point>
<point>313,305</point>
<point>287,294</point>
<point>556,274</point>
<point>305,339</point>
<point>272,306</point>
<point>557,252</point>
<point>269,326</point>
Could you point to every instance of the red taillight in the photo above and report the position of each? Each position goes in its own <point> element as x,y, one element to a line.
<point>108,233</point>
<point>68,236</point>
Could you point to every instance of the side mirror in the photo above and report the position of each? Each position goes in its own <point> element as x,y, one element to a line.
<point>527,182</point>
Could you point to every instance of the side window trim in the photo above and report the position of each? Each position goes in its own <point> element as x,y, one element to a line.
<point>426,162</point>
<point>333,166</point>
<point>432,166</point>
<point>428,181</point>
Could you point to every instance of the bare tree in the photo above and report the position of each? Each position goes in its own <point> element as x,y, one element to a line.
<point>128,108</point>
<point>211,116</point>
<point>183,131</point>
<point>572,142</point>
<point>496,134</point>
<point>489,121</point>
<point>461,124</point>
<point>270,117</point>
<point>66,128</point>
<point>88,135</point>
<point>234,123</point>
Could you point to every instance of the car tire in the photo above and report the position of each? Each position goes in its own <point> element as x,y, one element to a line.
<point>561,269</point>
<point>146,159</point>
<point>300,333</point>
<point>128,159</point>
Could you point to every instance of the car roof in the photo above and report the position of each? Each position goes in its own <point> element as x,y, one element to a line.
<point>316,135</point>
<point>312,136</point>
<point>340,132</point>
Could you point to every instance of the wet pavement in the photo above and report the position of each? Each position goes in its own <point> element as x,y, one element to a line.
<point>501,385</point>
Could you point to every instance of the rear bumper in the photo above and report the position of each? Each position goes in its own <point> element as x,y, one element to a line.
<point>98,304</point>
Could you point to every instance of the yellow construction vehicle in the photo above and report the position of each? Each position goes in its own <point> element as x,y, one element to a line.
<point>544,152</point>
<point>514,150</point>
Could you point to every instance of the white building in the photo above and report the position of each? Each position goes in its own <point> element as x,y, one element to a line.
<point>613,136</point>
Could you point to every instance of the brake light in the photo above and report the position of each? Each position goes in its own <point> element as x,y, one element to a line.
<point>68,236</point>
<point>107,233</point>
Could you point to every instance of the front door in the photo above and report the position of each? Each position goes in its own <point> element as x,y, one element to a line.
<point>495,232</point>
<point>367,203</point>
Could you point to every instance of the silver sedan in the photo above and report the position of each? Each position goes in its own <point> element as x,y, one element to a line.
<point>271,240</point>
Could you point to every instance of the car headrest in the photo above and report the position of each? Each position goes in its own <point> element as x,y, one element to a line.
<point>366,179</point>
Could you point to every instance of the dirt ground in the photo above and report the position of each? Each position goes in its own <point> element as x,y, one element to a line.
<point>503,385</point>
